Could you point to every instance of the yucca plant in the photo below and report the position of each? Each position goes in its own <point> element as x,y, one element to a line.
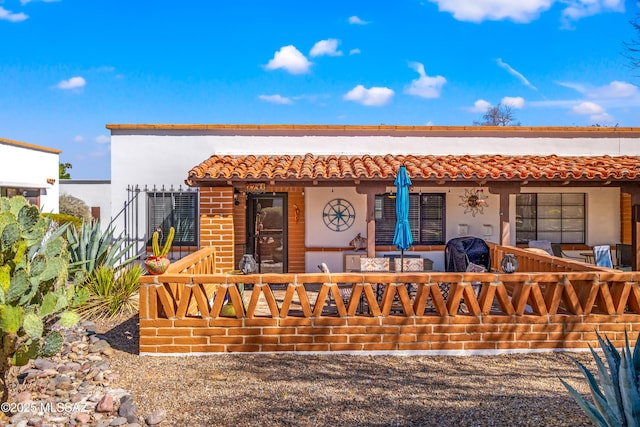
<point>112,293</point>
<point>616,399</point>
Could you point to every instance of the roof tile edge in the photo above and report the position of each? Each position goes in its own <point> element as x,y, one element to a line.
<point>29,146</point>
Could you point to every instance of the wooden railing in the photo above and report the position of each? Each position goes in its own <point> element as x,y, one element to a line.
<point>562,307</point>
<point>544,285</point>
<point>533,262</point>
<point>419,294</point>
<point>202,261</point>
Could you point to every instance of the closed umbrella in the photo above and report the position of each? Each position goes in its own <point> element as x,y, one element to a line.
<point>402,237</point>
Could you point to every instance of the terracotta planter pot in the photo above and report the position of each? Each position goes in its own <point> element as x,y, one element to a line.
<point>157,264</point>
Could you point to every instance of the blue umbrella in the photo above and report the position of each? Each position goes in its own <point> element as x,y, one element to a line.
<point>402,237</point>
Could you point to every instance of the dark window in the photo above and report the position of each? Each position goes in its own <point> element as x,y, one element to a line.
<point>32,195</point>
<point>174,209</point>
<point>426,218</point>
<point>557,217</point>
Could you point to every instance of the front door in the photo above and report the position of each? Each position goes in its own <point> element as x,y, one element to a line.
<point>267,231</point>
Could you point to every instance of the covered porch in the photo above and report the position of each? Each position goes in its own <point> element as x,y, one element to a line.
<point>600,206</point>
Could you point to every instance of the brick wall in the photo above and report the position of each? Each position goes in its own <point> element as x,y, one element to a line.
<point>428,334</point>
<point>217,224</point>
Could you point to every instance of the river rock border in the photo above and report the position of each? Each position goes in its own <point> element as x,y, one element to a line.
<point>74,388</point>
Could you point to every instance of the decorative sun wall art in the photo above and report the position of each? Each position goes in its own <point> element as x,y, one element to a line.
<point>473,201</point>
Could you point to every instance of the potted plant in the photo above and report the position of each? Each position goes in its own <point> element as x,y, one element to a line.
<point>158,262</point>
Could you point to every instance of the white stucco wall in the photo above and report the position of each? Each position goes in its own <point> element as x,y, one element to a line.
<point>93,193</point>
<point>164,157</point>
<point>24,167</point>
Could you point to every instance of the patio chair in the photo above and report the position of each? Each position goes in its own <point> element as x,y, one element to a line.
<point>623,256</point>
<point>545,245</point>
<point>602,256</point>
<point>557,251</point>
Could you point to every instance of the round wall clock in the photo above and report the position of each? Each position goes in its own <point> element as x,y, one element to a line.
<point>338,215</point>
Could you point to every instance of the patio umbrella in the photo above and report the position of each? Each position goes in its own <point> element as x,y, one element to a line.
<point>402,237</point>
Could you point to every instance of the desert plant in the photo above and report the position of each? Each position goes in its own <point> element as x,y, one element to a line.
<point>34,293</point>
<point>62,219</point>
<point>155,243</point>
<point>617,403</point>
<point>112,293</point>
<point>71,205</point>
<point>91,248</point>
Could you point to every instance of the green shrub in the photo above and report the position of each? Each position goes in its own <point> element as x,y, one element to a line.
<point>71,205</point>
<point>34,293</point>
<point>112,292</point>
<point>616,399</point>
<point>62,219</point>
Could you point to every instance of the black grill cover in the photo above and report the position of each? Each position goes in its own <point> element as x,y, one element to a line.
<point>461,250</point>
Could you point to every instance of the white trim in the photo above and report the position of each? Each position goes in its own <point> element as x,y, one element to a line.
<point>23,185</point>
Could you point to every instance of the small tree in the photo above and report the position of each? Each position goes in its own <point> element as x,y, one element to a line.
<point>499,115</point>
<point>632,48</point>
<point>70,205</point>
<point>63,173</point>
<point>34,293</point>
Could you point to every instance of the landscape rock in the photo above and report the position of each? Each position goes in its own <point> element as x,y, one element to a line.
<point>156,417</point>
<point>72,388</point>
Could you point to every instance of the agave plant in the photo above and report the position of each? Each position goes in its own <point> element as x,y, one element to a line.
<point>616,399</point>
<point>91,248</point>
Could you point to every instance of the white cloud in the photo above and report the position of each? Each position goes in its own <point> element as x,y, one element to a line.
<point>595,112</point>
<point>523,11</point>
<point>515,73</point>
<point>326,47</point>
<point>373,97</point>
<point>78,138</point>
<point>23,2</point>
<point>513,101</point>
<point>578,9</point>
<point>354,51</point>
<point>290,59</point>
<point>494,10</point>
<point>357,21</point>
<point>102,139</point>
<point>275,99</point>
<point>480,106</point>
<point>73,83</point>
<point>7,15</point>
<point>615,89</point>
<point>575,86</point>
<point>425,86</point>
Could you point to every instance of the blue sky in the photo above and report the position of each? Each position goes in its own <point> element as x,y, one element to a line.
<point>69,67</point>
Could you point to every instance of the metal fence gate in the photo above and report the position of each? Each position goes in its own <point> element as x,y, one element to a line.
<point>150,209</point>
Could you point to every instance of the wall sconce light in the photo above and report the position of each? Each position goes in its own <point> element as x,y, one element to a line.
<point>51,181</point>
<point>236,197</point>
<point>463,229</point>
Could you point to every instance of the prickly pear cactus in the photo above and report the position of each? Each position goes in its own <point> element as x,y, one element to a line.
<point>34,293</point>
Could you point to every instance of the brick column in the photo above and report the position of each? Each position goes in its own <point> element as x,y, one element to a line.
<point>216,224</point>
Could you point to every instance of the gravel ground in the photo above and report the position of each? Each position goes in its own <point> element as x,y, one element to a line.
<point>345,390</point>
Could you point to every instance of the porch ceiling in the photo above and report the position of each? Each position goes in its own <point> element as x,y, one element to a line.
<point>423,169</point>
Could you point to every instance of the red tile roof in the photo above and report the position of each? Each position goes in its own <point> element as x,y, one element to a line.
<point>310,167</point>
